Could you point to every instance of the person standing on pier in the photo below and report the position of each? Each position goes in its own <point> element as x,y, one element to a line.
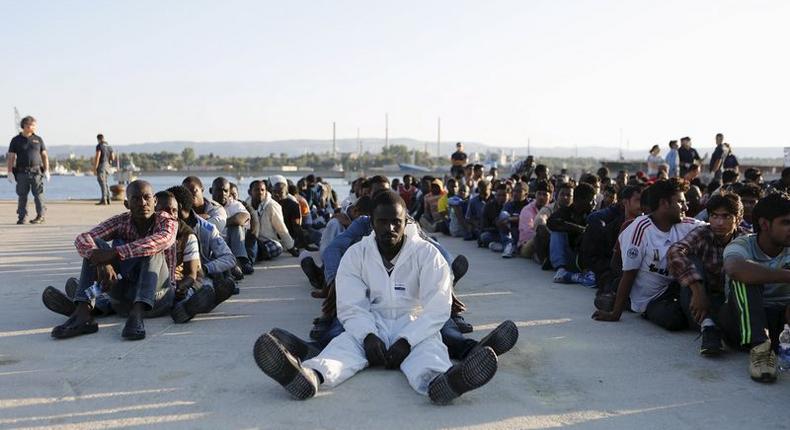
<point>28,166</point>
<point>101,165</point>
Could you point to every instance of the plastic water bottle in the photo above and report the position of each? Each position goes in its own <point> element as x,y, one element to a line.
<point>784,349</point>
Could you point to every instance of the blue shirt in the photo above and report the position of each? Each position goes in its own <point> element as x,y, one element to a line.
<point>475,209</point>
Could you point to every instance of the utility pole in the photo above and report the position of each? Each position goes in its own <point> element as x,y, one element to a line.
<point>359,145</point>
<point>386,130</point>
<point>439,137</point>
<point>334,142</point>
<point>529,147</point>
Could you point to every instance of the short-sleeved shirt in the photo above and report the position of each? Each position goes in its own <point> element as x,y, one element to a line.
<point>104,154</point>
<point>28,150</point>
<point>191,251</point>
<point>644,248</point>
<point>459,157</point>
<point>746,247</point>
<point>233,207</point>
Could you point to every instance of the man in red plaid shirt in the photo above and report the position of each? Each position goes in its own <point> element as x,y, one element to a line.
<point>132,257</point>
<point>696,262</point>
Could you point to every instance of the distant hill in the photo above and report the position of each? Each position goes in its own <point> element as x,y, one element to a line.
<point>374,145</point>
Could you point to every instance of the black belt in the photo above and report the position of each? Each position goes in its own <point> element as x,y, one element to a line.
<point>31,169</point>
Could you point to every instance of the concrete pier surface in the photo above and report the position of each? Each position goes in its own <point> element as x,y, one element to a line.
<point>566,370</point>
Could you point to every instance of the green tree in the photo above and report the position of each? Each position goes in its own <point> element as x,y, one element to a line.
<point>188,155</point>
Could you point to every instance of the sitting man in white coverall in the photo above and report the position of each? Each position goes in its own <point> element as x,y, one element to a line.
<point>393,297</point>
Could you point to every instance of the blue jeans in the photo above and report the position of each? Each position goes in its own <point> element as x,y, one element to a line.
<point>145,280</point>
<point>236,240</point>
<point>560,252</point>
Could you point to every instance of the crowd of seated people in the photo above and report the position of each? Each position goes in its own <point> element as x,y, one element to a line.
<point>183,250</point>
<point>681,253</point>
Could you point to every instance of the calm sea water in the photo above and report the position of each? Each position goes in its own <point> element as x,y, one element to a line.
<point>86,187</point>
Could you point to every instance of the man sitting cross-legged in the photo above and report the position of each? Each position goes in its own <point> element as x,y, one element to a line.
<point>141,251</point>
<point>393,297</point>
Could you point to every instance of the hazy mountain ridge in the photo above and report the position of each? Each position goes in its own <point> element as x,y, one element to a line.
<point>299,146</point>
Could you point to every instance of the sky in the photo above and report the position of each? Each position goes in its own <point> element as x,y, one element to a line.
<point>557,73</point>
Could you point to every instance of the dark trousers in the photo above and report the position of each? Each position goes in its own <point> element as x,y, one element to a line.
<point>30,183</point>
<point>746,317</point>
<point>665,310</point>
<point>716,301</point>
<point>145,280</point>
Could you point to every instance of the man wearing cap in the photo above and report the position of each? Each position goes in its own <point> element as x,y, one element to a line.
<point>459,159</point>
<point>28,165</point>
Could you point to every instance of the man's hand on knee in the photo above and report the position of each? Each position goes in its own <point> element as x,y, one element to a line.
<point>375,350</point>
<point>397,353</point>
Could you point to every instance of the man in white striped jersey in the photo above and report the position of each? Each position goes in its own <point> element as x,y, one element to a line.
<point>644,244</point>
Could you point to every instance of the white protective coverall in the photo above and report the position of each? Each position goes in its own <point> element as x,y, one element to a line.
<point>412,303</point>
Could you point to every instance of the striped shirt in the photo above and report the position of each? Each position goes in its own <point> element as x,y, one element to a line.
<point>644,248</point>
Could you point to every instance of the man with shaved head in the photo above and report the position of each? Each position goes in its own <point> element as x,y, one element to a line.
<point>130,256</point>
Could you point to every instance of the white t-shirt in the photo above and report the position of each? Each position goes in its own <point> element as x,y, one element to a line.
<point>234,207</point>
<point>191,251</point>
<point>644,248</point>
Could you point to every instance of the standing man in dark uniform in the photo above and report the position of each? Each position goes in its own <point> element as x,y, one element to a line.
<point>28,165</point>
<point>687,155</point>
<point>458,159</point>
<point>101,165</point>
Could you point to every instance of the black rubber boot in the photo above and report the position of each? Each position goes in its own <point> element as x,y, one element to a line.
<point>475,371</point>
<point>501,339</point>
<point>296,346</point>
<point>279,364</point>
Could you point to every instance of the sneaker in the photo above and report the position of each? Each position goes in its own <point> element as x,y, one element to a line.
<point>134,328</point>
<point>501,339</point>
<point>20,221</point>
<point>313,273</point>
<point>475,371</point>
<point>508,251</point>
<point>562,276</point>
<point>58,302</point>
<point>711,341</point>
<point>38,220</point>
<point>236,272</point>
<point>762,362</point>
<point>586,279</point>
<point>459,267</point>
<point>246,266</point>
<point>293,344</point>
<point>279,364</point>
<point>463,326</point>
<point>496,247</point>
